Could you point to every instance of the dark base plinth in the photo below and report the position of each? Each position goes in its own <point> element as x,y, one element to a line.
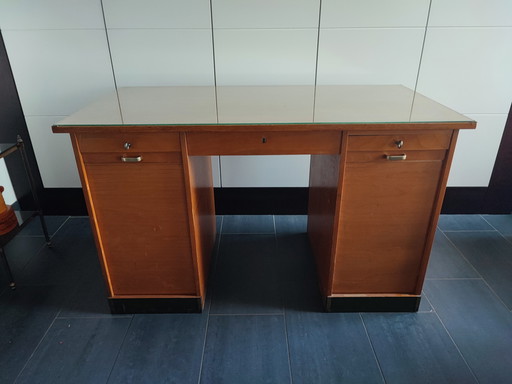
<point>372,304</point>
<point>164,305</point>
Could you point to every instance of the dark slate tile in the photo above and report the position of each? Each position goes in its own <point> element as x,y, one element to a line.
<point>296,258</point>
<point>463,223</point>
<point>447,262</point>
<point>161,348</point>
<point>89,299</point>
<point>19,251</point>
<point>503,223</point>
<point>415,348</point>
<point>72,256</point>
<point>330,348</point>
<point>244,224</point>
<point>34,228</point>
<point>76,351</point>
<point>246,349</point>
<point>291,224</point>
<point>246,278</point>
<point>491,255</point>
<point>479,324</point>
<point>25,315</point>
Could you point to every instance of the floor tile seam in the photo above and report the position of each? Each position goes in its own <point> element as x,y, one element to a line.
<point>425,296</point>
<point>106,316</point>
<point>200,373</point>
<point>34,350</point>
<point>38,251</point>
<point>462,255</point>
<point>455,278</point>
<point>60,227</point>
<point>479,274</point>
<point>456,346</point>
<point>119,349</point>
<point>469,230</point>
<point>497,230</point>
<point>288,353</point>
<point>372,347</point>
<point>247,314</point>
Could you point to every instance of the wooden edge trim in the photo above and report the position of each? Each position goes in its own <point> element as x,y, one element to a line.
<point>337,211</point>
<point>92,212</point>
<point>438,204</point>
<point>190,213</point>
<point>320,126</point>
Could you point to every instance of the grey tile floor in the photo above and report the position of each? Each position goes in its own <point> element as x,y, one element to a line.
<point>263,322</point>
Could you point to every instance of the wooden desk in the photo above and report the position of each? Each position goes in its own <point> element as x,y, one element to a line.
<point>380,157</point>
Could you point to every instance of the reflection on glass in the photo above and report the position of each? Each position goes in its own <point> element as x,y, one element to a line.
<point>199,105</point>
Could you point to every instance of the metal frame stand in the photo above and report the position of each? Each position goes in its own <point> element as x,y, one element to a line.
<point>20,146</point>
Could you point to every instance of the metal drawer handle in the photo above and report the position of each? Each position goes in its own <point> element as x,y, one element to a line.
<point>125,159</point>
<point>396,157</point>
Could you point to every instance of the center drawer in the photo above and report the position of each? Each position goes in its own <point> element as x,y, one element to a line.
<point>263,143</point>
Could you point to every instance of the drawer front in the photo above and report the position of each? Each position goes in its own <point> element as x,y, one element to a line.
<point>129,142</point>
<point>132,158</point>
<point>392,156</point>
<point>399,141</point>
<point>263,143</point>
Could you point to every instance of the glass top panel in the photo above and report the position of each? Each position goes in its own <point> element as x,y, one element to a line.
<point>341,104</point>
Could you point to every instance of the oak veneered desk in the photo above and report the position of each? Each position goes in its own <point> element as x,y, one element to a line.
<point>380,157</point>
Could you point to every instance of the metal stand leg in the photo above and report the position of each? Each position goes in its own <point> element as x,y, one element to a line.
<point>12,284</point>
<point>21,146</point>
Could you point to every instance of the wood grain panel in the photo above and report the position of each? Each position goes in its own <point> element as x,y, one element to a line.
<point>142,219</point>
<point>323,189</point>
<point>263,143</point>
<point>385,217</point>
<point>411,141</point>
<point>114,142</point>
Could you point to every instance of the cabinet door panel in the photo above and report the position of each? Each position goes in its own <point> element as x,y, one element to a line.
<point>142,220</point>
<point>385,216</point>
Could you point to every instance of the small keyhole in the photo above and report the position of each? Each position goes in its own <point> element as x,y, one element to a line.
<point>263,140</point>
<point>127,145</point>
<point>399,143</point>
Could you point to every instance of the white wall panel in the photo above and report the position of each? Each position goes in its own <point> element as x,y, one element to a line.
<point>474,13</point>
<point>53,152</point>
<point>159,57</point>
<point>265,13</point>
<point>50,14</point>
<point>468,69</point>
<point>265,57</point>
<point>157,13</point>
<point>57,71</point>
<point>374,13</point>
<point>369,56</point>
<point>265,171</point>
<point>5,181</point>
<point>476,151</point>
<point>216,171</point>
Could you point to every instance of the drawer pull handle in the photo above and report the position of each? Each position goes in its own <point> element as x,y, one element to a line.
<point>127,145</point>
<point>396,157</point>
<point>137,159</point>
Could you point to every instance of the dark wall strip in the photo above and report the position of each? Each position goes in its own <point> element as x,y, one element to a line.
<point>499,194</point>
<point>12,123</point>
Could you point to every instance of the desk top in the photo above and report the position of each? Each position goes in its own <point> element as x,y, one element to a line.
<point>289,107</point>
